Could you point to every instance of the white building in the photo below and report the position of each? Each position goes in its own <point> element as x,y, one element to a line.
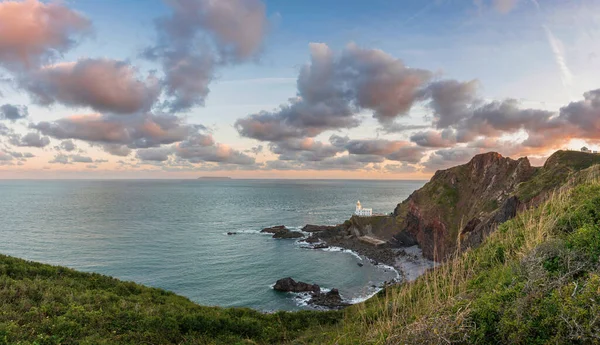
<point>585,149</point>
<point>363,212</point>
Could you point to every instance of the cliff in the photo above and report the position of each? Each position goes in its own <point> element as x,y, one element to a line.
<point>462,205</point>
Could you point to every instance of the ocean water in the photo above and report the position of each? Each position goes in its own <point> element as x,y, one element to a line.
<point>172,234</point>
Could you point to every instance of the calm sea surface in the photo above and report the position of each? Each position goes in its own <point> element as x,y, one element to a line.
<point>172,234</point>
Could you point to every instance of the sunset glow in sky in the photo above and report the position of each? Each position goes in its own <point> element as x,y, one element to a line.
<point>292,89</point>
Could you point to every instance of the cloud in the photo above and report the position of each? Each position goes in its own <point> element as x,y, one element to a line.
<point>256,149</point>
<point>13,112</point>
<point>81,159</point>
<point>20,155</point>
<point>117,150</point>
<point>502,6</point>
<point>104,85</point>
<point>60,159</point>
<point>32,32</point>
<point>403,168</point>
<point>450,100</point>
<point>68,145</point>
<point>306,149</point>
<point>30,140</point>
<point>160,154</point>
<point>5,156</point>
<point>434,139</point>
<point>380,82</point>
<point>390,149</point>
<point>202,148</point>
<point>198,37</point>
<point>141,131</point>
<point>333,89</point>
<point>297,120</point>
<point>395,127</point>
<point>505,6</point>
<point>445,158</point>
<point>559,56</point>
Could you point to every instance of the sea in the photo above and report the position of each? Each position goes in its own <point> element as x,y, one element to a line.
<point>172,234</point>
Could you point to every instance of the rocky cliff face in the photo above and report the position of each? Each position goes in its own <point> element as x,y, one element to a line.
<point>461,205</point>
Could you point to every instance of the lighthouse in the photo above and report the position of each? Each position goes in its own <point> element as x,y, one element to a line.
<point>363,212</point>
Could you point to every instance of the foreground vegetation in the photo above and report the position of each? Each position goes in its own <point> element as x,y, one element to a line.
<point>536,280</point>
<point>43,304</point>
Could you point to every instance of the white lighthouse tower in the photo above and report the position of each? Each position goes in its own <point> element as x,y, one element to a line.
<point>363,212</point>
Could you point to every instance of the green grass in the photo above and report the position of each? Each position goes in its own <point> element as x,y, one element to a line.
<point>43,304</point>
<point>558,168</point>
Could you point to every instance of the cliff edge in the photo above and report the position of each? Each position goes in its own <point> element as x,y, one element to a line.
<point>461,205</point>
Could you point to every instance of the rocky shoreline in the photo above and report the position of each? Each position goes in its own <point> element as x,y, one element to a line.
<point>340,236</point>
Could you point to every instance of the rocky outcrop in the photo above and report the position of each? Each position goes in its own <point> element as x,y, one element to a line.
<point>465,202</point>
<point>458,208</point>
<point>281,232</point>
<point>317,228</point>
<point>290,285</point>
<point>275,229</point>
<point>288,234</point>
<point>330,300</point>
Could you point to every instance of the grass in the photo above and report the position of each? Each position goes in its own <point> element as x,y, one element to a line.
<point>43,304</point>
<point>558,168</point>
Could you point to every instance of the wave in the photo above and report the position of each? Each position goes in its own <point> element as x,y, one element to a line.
<point>246,232</point>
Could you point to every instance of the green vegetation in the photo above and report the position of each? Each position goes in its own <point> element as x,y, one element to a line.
<point>558,168</point>
<point>43,304</point>
<point>536,280</point>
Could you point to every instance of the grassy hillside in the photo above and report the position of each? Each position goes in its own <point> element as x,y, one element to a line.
<point>43,304</point>
<point>555,172</point>
<point>536,280</point>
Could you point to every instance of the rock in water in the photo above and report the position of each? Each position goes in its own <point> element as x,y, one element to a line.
<point>317,228</point>
<point>288,234</point>
<point>290,285</point>
<point>275,229</point>
<point>331,300</point>
<point>281,231</point>
<point>312,239</point>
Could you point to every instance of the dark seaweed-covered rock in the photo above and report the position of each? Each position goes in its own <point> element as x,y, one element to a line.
<point>317,228</point>
<point>282,232</point>
<point>288,234</point>
<point>275,229</point>
<point>290,285</point>
<point>331,300</point>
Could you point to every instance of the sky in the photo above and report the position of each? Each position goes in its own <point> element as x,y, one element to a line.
<point>355,89</point>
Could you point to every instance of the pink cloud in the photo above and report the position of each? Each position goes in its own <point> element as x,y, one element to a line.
<point>102,84</point>
<point>32,31</point>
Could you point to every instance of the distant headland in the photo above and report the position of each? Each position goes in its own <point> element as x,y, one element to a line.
<point>214,178</point>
